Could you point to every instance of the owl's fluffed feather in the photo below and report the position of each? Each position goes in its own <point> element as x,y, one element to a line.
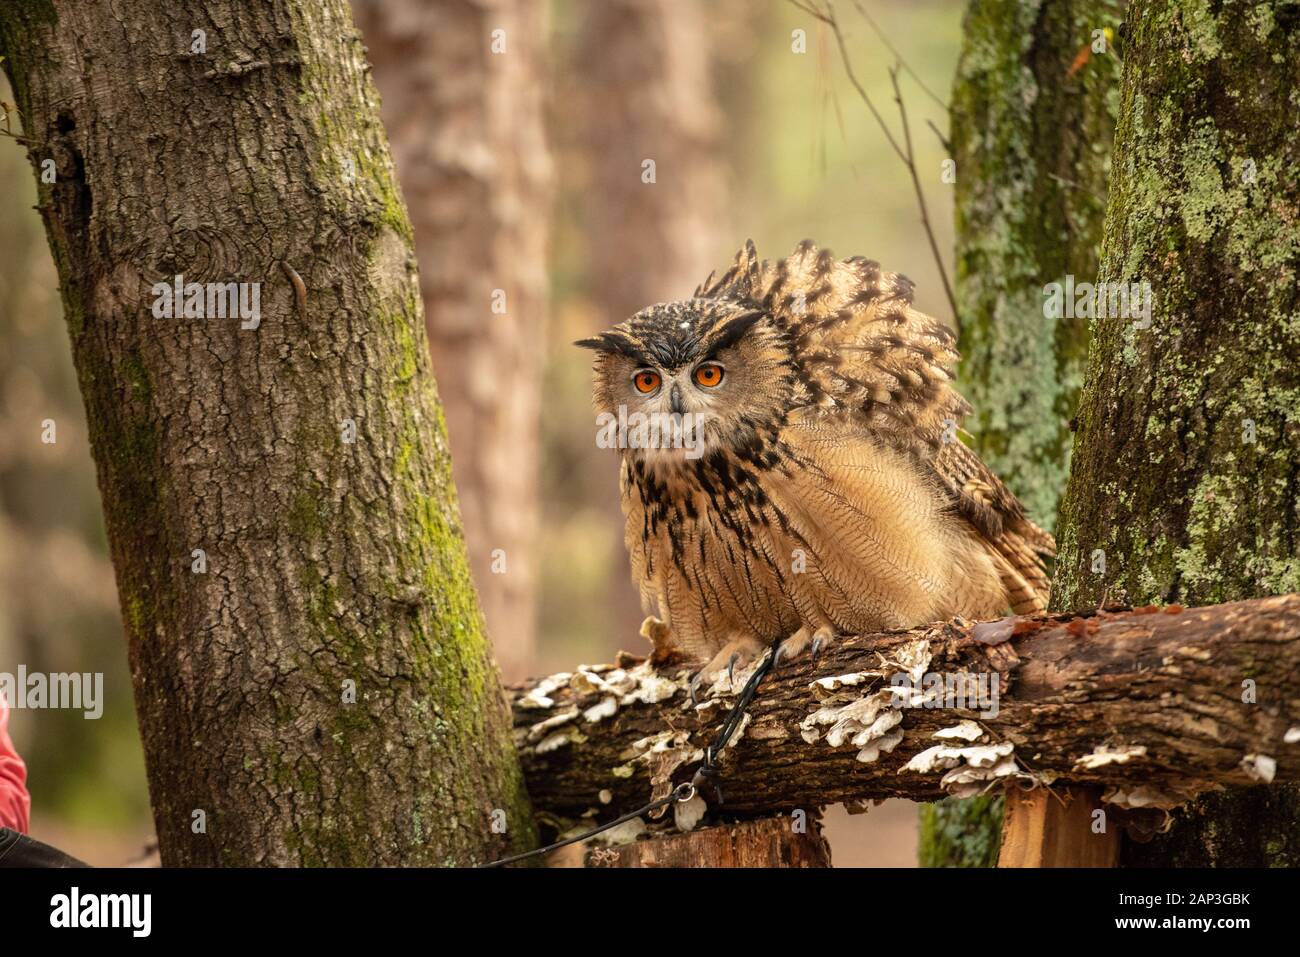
<point>860,349</point>
<point>831,492</point>
<point>864,352</point>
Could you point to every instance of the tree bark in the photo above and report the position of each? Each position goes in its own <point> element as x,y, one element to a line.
<point>1186,477</point>
<point>1031,135</point>
<point>1032,144</point>
<point>1122,701</point>
<point>304,455</point>
<point>59,611</point>
<point>463,107</point>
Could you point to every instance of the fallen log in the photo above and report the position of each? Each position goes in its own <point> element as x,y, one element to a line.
<point>1151,705</point>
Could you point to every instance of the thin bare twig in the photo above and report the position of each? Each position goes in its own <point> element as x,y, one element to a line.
<point>1079,186</point>
<point>898,56</point>
<point>828,17</point>
<point>10,110</point>
<point>920,195</point>
<point>904,152</point>
<point>943,140</point>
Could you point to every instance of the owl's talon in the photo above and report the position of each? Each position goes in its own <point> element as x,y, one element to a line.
<point>791,647</point>
<point>802,641</point>
<point>740,652</point>
<point>694,686</point>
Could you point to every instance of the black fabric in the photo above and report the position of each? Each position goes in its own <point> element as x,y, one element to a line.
<point>19,850</point>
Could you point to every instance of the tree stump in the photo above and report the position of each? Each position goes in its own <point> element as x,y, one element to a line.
<point>765,842</point>
<point>1042,829</point>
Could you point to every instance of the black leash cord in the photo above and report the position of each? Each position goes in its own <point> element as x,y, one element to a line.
<point>732,722</point>
<point>684,791</point>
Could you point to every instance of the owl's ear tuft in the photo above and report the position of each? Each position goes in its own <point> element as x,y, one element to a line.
<point>733,330</point>
<point>615,343</point>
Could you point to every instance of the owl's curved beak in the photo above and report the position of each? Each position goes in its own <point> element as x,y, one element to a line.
<point>675,402</point>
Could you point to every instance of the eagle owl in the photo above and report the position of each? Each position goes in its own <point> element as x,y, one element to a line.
<point>817,485</point>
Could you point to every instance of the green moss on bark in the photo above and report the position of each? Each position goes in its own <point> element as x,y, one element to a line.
<point>1032,144</point>
<point>1186,480</point>
<point>961,833</point>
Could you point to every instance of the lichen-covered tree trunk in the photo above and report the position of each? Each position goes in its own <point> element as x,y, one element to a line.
<point>1032,121</point>
<point>311,676</point>
<point>462,87</point>
<point>1185,485</point>
<point>1031,135</point>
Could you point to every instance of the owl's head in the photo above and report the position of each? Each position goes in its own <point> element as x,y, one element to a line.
<point>721,369</point>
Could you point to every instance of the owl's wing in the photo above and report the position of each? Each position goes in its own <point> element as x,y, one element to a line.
<point>864,354</point>
<point>1018,545</point>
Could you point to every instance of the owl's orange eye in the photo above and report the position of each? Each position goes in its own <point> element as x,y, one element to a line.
<point>646,380</point>
<point>708,375</point>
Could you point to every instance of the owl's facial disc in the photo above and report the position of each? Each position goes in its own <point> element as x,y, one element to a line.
<point>705,373</point>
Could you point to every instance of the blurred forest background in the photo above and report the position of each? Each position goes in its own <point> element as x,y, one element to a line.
<point>523,172</point>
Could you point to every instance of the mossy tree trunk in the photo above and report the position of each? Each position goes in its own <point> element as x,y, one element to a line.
<point>1186,473</point>
<point>1032,121</point>
<point>462,87</point>
<point>277,493</point>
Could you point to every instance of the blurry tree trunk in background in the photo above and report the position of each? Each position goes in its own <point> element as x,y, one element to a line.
<point>1186,473</point>
<point>1031,134</point>
<point>466,128</point>
<point>1030,203</point>
<point>238,141</point>
<point>646,96</point>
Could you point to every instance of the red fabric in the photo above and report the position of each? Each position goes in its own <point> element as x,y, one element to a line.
<point>15,802</point>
